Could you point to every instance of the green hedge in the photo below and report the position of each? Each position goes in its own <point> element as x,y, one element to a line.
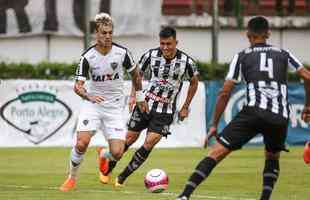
<point>62,71</point>
<point>42,70</point>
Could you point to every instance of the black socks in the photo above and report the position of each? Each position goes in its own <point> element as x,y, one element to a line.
<point>201,172</point>
<point>137,160</point>
<point>270,176</point>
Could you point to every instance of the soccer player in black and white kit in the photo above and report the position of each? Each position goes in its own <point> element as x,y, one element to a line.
<point>105,63</point>
<point>264,69</point>
<point>168,67</point>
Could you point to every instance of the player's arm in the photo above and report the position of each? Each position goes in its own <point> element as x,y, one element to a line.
<point>305,75</point>
<point>190,94</point>
<point>222,100</point>
<point>136,81</point>
<point>80,76</point>
<point>136,90</point>
<point>192,72</point>
<point>233,76</point>
<point>302,72</point>
<point>80,90</point>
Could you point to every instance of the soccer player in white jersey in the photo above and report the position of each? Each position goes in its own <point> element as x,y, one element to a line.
<point>168,67</point>
<point>105,63</point>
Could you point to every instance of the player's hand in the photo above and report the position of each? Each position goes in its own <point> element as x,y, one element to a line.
<point>183,113</point>
<point>143,106</point>
<point>95,99</point>
<point>212,132</point>
<point>131,103</point>
<point>305,115</point>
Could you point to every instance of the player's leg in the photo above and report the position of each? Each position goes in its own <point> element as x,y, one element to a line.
<point>104,154</point>
<point>158,126</point>
<point>76,158</point>
<point>274,139</point>
<point>109,158</point>
<point>270,174</point>
<point>237,133</point>
<point>88,122</point>
<point>204,169</point>
<point>140,156</point>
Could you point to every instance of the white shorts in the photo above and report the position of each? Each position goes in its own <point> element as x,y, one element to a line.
<point>110,121</point>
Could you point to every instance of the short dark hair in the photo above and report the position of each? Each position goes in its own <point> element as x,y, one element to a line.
<point>168,31</point>
<point>258,25</point>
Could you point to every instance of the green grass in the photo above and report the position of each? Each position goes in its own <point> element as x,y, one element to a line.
<point>36,173</point>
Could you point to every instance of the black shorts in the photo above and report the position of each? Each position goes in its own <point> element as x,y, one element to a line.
<point>251,121</point>
<point>153,121</point>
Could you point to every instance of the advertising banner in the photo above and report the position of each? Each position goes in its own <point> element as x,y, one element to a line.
<point>44,113</point>
<point>29,17</point>
<point>298,131</point>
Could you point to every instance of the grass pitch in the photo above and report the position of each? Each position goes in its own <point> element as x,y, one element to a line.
<point>36,173</point>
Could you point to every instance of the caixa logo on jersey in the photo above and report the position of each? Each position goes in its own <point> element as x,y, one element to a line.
<point>36,112</point>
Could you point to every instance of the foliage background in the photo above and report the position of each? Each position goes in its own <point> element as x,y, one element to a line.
<point>65,71</point>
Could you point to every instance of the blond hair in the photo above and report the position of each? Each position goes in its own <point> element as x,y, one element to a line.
<point>103,19</point>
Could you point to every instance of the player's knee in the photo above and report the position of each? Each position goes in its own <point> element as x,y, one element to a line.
<point>81,146</point>
<point>117,155</point>
<point>218,152</point>
<point>148,145</point>
<point>131,138</point>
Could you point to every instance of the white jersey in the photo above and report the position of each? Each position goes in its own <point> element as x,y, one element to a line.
<point>106,73</point>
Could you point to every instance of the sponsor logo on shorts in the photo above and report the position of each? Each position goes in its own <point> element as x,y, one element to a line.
<point>85,122</point>
<point>36,112</point>
<point>132,124</point>
<point>165,129</point>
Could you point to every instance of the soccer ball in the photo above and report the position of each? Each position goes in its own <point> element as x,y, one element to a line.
<point>156,180</point>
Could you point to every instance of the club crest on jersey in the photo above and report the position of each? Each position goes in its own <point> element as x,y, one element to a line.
<point>36,112</point>
<point>114,65</point>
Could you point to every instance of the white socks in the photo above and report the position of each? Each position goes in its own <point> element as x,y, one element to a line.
<point>75,161</point>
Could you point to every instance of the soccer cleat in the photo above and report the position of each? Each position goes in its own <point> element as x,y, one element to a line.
<point>307,153</point>
<point>103,162</point>
<point>182,198</point>
<point>117,184</point>
<point>69,184</point>
<point>104,178</point>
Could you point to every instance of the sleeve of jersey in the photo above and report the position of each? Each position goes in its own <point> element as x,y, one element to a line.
<point>144,61</point>
<point>234,72</point>
<point>192,69</point>
<point>293,62</point>
<point>82,69</point>
<point>129,63</point>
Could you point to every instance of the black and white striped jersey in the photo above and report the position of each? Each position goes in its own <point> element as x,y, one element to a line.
<point>264,68</point>
<point>106,72</point>
<point>166,78</point>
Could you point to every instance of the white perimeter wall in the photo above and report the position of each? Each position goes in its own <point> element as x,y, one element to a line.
<point>196,42</point>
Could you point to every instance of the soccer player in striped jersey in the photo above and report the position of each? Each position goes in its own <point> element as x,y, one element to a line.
<point>168,67</point>
<point>105,63</point>
<point>264,69</point>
